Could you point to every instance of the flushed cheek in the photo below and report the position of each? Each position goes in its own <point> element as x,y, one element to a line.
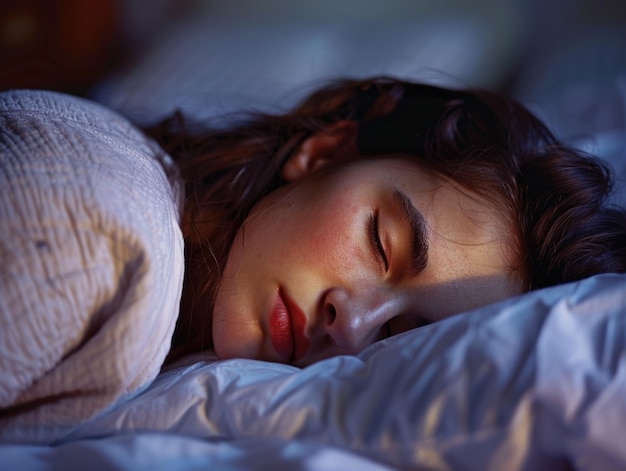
<point>336,247</point>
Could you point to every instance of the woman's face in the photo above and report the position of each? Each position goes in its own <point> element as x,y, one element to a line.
<point>349,255</point>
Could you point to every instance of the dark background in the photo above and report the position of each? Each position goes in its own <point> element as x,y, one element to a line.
<point>565,59</point>
<point>69,45</point>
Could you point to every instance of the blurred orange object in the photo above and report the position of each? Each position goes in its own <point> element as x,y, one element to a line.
<point>62,45</point>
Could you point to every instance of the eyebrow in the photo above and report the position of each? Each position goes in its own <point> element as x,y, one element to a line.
<point>415,220</point>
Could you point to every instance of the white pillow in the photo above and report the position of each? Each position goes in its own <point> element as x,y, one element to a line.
<point>533,382</point>
<point>92,260</point>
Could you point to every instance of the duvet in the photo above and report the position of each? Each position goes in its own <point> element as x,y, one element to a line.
<point>90,245</point>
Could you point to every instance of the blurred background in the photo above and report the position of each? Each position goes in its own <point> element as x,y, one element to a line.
<point>566,59</point>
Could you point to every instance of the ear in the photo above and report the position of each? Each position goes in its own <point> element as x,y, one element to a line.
<point>334,144</point>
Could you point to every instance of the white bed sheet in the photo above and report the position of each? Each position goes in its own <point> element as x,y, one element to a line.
<point>537,382</point>
<point>169,452</point>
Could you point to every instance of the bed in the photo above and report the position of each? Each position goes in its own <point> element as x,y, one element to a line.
<point>89,214</point>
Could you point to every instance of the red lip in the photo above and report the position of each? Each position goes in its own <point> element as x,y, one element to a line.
<point>287,329</point>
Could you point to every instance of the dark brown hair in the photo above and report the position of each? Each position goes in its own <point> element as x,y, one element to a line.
<point>554,197</point>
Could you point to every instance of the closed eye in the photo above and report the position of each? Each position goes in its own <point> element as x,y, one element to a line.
<point>377,245</point>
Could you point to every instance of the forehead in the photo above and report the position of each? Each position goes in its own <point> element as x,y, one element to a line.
<point>439,195</point>
<point>452,212</point>
<point>472,257</point>
<point>462,226</point>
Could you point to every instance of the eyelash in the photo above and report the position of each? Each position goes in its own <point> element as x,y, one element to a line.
<point>377,244</point>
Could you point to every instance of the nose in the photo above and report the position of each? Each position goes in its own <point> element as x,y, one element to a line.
<point>353,320</point>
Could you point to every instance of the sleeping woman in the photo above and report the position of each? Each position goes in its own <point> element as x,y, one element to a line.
<point>374,207</point>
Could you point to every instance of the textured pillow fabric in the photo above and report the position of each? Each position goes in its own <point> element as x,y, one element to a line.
<point>92,260</point>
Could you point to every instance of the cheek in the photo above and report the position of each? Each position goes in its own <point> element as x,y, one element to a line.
<point>335,241</point>
<point>320,231</point>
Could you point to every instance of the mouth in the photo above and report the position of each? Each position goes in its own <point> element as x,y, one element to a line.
<point>287,329</point>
